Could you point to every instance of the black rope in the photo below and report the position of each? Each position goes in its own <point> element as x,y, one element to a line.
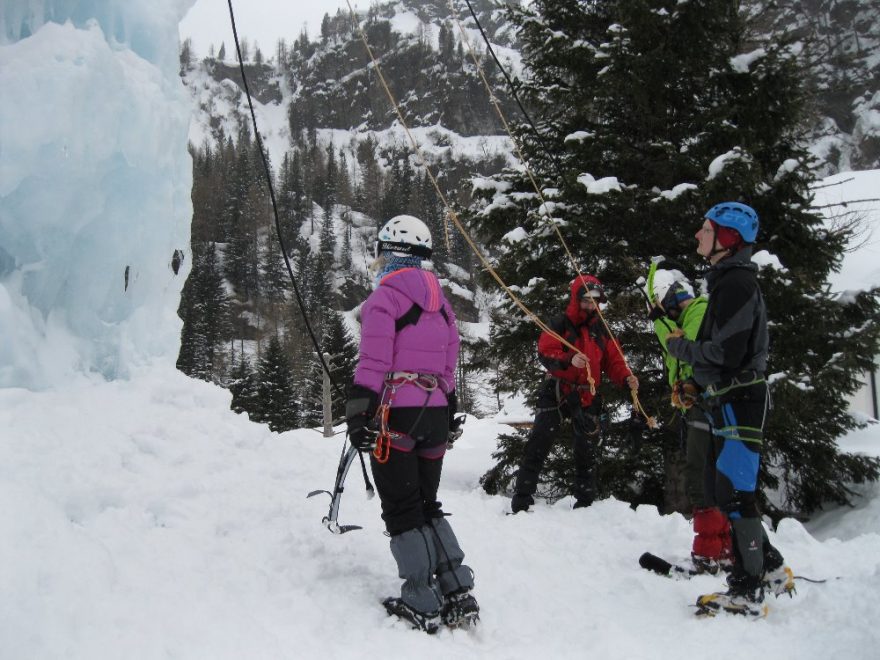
<point>513,91</point>
<point>299,299</point>
<point>296,291</point>
<point>650,302</point>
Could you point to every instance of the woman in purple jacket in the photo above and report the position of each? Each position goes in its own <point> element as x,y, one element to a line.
<point>401,407</point>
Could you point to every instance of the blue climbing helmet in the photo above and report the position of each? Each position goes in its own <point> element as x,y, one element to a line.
<point>737,216</point>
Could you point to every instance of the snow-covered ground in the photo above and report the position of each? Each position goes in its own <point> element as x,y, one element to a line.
<point>143,519</point>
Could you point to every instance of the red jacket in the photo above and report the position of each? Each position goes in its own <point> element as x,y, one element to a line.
<point>590,337</point>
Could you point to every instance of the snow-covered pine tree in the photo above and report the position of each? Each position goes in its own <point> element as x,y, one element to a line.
<point>274,278</point>
<point>311,414</point>
<point>393,202</point>
<point>186,56</point>
<point>340,353</point>
<point>291,199</point>
<point>322,276</point>
<point>368,191</point>
<point>344,194</point>
<point>841,42</point>
<point>242,386</point>
<point>650,112</point>
<point>326,190</point>
<point>345,262</point>
<point>246,213</point>
<point>305,271</point>
<point>277,405</point>
<point>204,308</point>
<point>343,351</point>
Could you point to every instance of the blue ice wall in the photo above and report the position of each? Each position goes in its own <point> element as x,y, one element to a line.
<point>95,183</point>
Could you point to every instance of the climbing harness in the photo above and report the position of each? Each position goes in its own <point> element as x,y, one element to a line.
<point>393,382</point>
<point>716,406</point>
<point>744,379</point>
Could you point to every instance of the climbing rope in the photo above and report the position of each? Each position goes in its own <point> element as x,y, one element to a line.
<point>513,90</point>
<point>494,100</point>
<point>296,290</point>
<point>450,212</point>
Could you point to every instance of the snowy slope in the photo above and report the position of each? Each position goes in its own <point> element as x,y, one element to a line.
<point>143,519</point>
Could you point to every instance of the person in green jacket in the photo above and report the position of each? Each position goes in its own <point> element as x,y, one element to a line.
<point>674,307</point>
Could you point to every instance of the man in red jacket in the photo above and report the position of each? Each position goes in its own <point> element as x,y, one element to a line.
<point>566,393</point>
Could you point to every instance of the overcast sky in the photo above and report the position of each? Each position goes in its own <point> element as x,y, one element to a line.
<point>260,21</point>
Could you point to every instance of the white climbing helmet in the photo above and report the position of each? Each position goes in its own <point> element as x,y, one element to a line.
<point>670,288</point>
<point>403,236</point>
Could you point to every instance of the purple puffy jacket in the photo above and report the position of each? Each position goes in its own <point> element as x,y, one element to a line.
<point>428,347</point>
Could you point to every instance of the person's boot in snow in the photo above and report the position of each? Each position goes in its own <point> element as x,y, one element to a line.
<point>420,599</point>
<point>455,579</point>
<point>521,502</point>
<point>426,621</point>
<point>778,578</point>
<point>705,564</point>
<point>460,610</point>
<point>745,595</point>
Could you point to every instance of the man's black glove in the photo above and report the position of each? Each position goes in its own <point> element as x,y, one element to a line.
<point>360,409</point>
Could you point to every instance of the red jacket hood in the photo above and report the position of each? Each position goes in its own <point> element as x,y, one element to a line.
<point>574,312</point>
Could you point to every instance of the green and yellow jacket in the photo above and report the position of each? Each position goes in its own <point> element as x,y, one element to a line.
<point>690,321</point>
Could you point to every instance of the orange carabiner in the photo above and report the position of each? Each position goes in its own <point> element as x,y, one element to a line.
<point>382,451</point>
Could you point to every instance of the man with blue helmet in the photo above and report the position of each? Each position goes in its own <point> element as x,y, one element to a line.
<point>729,357</point>
<point>675,307</point>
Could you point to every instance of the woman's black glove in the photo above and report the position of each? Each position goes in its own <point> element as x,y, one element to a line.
<point>360,409</point>
<point>455,422</point>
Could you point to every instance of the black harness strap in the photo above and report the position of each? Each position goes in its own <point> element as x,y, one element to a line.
<point>412,316</point>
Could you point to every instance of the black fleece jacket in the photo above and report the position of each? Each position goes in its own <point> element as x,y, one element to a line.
<point>733,337</point>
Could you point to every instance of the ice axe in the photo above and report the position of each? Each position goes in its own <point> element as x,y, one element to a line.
<point>345,461</point>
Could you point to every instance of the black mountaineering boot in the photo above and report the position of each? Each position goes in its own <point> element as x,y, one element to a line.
<point>778,578</point>
<point>428,622</point>
<point>420,597</point>
<point>460,609</point>
<point>521,502</point>
<point>745,595</point>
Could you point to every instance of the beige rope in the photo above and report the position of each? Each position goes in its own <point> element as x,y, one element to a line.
<point>451,212</point>
<point>494,99</point>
